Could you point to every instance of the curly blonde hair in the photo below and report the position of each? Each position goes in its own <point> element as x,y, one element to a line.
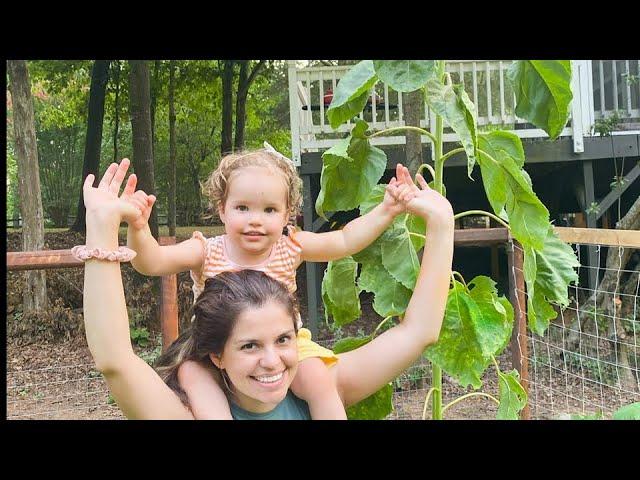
<point>216,187</point>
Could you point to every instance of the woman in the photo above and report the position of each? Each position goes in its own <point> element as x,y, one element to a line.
<point>254,346</point>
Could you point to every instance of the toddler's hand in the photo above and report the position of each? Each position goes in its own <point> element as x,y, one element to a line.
<point>394,204</point>
<point>140,200</point>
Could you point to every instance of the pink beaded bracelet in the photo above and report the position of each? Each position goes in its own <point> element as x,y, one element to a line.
<point>84,253</point>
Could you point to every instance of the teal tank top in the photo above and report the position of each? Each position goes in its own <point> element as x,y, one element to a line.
<point>291,408</point>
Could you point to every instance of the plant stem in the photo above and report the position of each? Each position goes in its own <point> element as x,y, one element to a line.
<point>417,235</point>
<point>428,167</point>
<point>426,402</point>
<point>451,153</point>
<point>481,212</point>
<point>401,129</point>
<point>459,276</point>
<point>472,394</point>
<point>373,335</point>
<point>436,408</point>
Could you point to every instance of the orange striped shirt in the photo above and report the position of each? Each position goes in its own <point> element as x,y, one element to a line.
<point>285,258</point>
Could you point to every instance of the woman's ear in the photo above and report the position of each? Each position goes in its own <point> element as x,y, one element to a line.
<point>217,361</point>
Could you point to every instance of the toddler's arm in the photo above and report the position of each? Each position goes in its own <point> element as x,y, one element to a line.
<point>357,234</point>
<point>153,259</point>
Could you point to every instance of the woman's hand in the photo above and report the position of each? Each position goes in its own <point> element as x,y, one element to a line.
<point>104,203</point>
<point>423,202</point>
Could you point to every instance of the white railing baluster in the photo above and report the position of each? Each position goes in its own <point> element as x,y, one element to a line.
<point>614,80</point>
<point>502,115</point>
<point>628,87</point>
<point>386,106</point>
<point>374,112</point>
<point>489,102</point>
<point>321,95</point>
<point>309,113</point>
<point>461,72</point>
<point>601,72</point>
<point>294,112</point>
<point>475,87</point>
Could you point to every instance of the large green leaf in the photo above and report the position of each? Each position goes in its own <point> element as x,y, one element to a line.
<point>376,406</point>
<point>452,103</point>
<point>405,75</point>
<point>548,273</point>
<point>495,322</point>
<point>391,298</point>
<point>513,397</point>
<point>477,326</point>
<point>458,351</point>
<point>399,256</point>
<point>628,412</point>
<point>509,189</point>
<point>340,292</point>
<point>350,170</point>
<point>351,93</point>
<point>543,92</point>
<point>418,226</point>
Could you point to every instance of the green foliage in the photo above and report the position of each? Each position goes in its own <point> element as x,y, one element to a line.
<point>477,326</point>
<point>351,93</point>
<point>139,336</point>
<point>350,170</point>
<point>509,189</point>
<point>339,291</point>
<point>543,93</point>
<point>452,103</point>
<point>513,397</point>
<point>376,406</point>
<point>548,273</point>
<point>405,75</point>
<point>628,412</point>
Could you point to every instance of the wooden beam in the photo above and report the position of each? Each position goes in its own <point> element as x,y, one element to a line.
<point>598,236</point>
<point>472,237</point>
<point>616,193</point>
<point>41,260</point>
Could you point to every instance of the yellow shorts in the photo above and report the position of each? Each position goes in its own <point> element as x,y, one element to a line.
<point>308,348</point>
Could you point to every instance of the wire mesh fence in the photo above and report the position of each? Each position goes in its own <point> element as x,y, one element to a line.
<point>586,363</point>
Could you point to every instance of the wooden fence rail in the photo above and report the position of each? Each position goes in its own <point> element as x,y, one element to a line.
<point>48,259</point>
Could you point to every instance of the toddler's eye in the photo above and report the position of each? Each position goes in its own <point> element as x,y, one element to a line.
<point>242,208</point>
<point>270,210</point>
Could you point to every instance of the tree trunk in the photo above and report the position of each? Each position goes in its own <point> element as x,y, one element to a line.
<point>35,292</point>
<point>244,83</point>
<point>116,108</point>
<point>227,108</point>
<point>95,117</point>
<point>139,111</point>
<point>413,106</point>
<point>172,150</point>
<point>154,101</point>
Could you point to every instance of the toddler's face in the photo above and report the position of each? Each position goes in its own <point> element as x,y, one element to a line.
<point>255,211</point>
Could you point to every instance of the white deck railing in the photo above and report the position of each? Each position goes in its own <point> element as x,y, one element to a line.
<point>596,95</point>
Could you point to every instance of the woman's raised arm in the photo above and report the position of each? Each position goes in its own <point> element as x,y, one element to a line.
<point>363,371</point>
<point>135,386</point>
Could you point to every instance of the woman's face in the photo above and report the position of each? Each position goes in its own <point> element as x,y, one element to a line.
<point>260,357</point>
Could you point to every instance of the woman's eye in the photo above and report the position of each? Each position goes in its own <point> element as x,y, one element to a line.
<point>248,346</point>
<point>284,340</point>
